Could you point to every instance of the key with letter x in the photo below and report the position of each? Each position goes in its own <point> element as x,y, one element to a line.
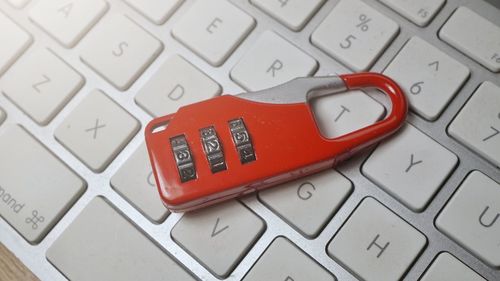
<point>97,130</point>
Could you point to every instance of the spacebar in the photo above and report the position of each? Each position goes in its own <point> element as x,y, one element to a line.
<point>100,244</point>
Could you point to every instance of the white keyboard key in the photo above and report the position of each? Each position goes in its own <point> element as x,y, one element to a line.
<point>475,36</point>
<point>100,244</point>
<point>429,77</point>
<point>67,21</point>
<point>293,14</point>
<point>97,130</point>
<point>213,29</point>
<point>447,267</point>
<point>419,12</point>
<point>175,84</point>
<point>14,41</point>
<point>375,244</point>
<point>2,116</point>
<point>157,11</point>
<point>342,113</point>
<point>284,261</point>
<point>410,166</point>
<point>355,34</point>
<point>41,84</point>
<point>309,203</point>
<point>135,181</point>
<point>472,217</point>
<point>478,123</point>
<point>219,236</point>
<point>119,50</point>
<point>36,189</point>
<point>270,62</point>
<point>18,3</point>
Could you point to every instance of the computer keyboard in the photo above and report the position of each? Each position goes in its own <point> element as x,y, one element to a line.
<point>80,80</point>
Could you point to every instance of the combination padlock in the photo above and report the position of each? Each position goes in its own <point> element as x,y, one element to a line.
<point>229,146</point>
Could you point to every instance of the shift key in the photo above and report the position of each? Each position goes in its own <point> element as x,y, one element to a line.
<point>36,188</point>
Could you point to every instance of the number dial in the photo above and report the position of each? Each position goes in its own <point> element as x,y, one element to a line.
<point>242,140</point>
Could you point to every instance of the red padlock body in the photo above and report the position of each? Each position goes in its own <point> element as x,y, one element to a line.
<point>285,137</point>
<point>286,141</point>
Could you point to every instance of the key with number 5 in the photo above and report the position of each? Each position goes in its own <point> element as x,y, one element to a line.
<point>229,146</point>
<point>355,34</point>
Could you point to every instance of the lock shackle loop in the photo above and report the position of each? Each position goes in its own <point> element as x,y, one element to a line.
<point>371,134</point>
